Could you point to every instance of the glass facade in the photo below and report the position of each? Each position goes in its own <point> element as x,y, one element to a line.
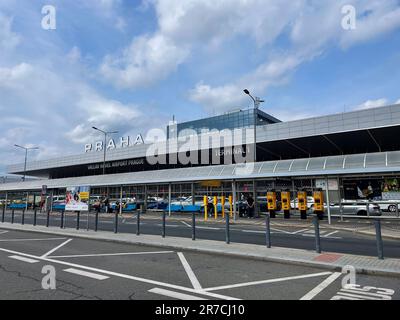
<point>232,120</point>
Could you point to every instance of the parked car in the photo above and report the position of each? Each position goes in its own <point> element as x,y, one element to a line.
<point>358,208</point>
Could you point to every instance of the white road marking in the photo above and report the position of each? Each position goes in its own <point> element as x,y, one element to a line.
<point>299,231</point>
<point>322,286</point>
<point>3,232</point>
<point>247,284</point>
<point>56,248</point>
<point>21,240</point>
<point>192,277</point>
<point>24,259</point>
<point>186,224</point>
<point>279,230</point>
<point>253,231</point>
<point>109,254</point>
<point>329,234</point>
<point>86,274</point>
<point>175,295</point>
<point>121,275</point>
<point>208,228</point>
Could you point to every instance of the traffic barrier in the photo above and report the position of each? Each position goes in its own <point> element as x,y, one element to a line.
<point>34,217</point>
<point>12,216</point>
<point>3,213</point>
<point>48,218</point>
<point>227,230</point>
<point>96,221</point>
<point>116,222</point>
<point>62,219</point>
<point>78,217</point>
<point>138,224</point>
<point>164,218</point>
<point>23,217</point>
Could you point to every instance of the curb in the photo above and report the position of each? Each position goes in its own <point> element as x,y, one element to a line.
<point>223,250</point>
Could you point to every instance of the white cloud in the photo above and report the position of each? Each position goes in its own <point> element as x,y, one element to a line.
<point>8,39</point>
<point>397,102</point>
<point>147,60</point>
<point>369,104</point>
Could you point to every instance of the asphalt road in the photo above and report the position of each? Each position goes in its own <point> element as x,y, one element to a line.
<point>291,236</point>
<point>97,270</point>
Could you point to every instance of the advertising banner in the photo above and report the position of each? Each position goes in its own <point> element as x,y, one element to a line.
<point>77,199</point>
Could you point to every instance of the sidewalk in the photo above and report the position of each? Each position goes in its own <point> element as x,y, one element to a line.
<point>332,261</point>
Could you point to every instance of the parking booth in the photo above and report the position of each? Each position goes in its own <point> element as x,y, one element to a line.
<point>205,200</point>
<point>285,199</point>
<point>319,204</point>
<point>223,206</point>
<point>272,205</point>
<point>302,203</point>
<point>230,206</point>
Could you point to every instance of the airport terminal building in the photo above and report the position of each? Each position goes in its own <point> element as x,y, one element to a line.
<point>350,155</point>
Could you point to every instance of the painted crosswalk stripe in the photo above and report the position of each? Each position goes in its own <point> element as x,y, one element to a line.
<point>86,274</point>
<point>175,295</point>
<point>24,259</point>
<point>322,286</point>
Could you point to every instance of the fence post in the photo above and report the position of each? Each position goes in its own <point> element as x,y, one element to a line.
<point>48,218</point>
<point>34,217</point>
<point>96,221</point>
<point>379,242</point>
<point>138,224</point>
<point>23,217</point>
<point>227,230</point>
<point>62,219</point>
<point>78,217</point>
<point>268,230</point>
<point>163,224</point>
<point>317,235</point>
<point>3,212</point>
<point>116,222</point>
<point>193,226</point>
<point>12,216</point>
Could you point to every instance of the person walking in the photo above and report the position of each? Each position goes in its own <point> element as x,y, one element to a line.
<point>250,207</point>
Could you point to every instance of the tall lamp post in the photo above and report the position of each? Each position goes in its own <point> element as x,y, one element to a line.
<point>26,156</point>
<point>257,101</point>
<point>106,133</point>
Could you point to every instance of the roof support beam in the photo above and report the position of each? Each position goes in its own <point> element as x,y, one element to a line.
<point>299,148</point>
<point>374,140</point>
<point>333,144</point>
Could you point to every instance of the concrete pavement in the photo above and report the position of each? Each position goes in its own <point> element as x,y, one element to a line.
<point>326,260</point>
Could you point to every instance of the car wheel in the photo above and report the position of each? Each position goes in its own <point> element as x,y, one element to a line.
<point>392,208</point>
<point>362,213</point>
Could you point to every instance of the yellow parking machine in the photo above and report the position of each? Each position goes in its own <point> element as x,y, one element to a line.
<point>271,203</point>
<point>302,203</point>
<point>319,204</point>
<point>285,199</point>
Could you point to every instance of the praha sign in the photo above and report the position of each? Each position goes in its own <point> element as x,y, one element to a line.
<point>123,142</point>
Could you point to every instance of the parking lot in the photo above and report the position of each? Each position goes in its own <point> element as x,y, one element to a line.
<point>91,269</point>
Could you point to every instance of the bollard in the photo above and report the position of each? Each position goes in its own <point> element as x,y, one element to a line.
<point>78,217</point>
<point>12,216</point>
<point>193,226</point>
<point>379,242</point>
<point>34,217</point>
<point>227,231</point>
<point>116,222</point>
<point>23,217</point>
<point>62,219</point>
<point>317,235</point>
<point>163,224</point>
<point>48,219</point>
<point>268,231</point>
<point>3,213</point>
<point>96,221</point>
<point>138,224</point>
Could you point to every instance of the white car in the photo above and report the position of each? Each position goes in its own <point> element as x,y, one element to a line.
<point>310,203</point>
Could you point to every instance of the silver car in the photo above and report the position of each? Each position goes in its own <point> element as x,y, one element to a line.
<point>356,208</point>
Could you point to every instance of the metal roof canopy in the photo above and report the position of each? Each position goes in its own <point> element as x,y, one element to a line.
<point>370,163</point>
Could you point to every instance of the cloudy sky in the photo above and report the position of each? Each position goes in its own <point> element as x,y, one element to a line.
<point>130,65</point>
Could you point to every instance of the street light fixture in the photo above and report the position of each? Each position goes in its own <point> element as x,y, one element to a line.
<point>26,156</point>
<point>257,101</point>
<point>106,133</point>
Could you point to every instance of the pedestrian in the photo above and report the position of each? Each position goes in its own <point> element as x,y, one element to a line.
<point>107,205</point>
<point>250,207</point>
